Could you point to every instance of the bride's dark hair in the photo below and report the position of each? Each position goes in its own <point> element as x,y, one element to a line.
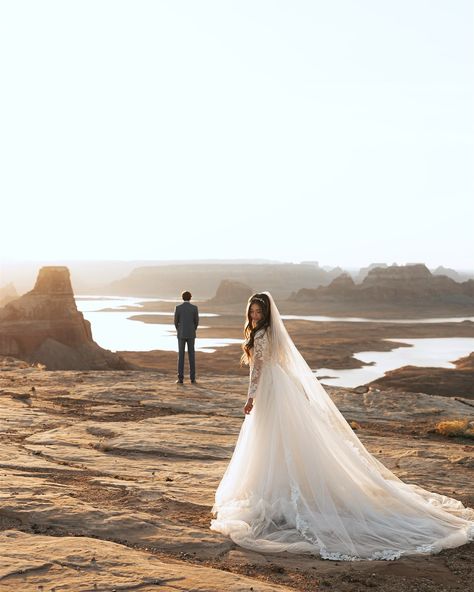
<point>249,332</point>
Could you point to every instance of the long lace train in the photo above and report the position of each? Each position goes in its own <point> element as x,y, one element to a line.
<point>301,481</point>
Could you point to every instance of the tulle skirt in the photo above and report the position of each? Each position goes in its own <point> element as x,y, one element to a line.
<point>301,481</point>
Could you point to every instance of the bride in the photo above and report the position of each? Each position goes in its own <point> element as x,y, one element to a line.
<point>301,481</point>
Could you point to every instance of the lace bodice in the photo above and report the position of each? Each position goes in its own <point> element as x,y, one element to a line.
<point>259,354</point>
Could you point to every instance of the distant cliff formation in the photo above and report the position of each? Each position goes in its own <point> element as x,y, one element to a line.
<point>452,273</point>
<point>230,292</point>
<point>168,281</point>
<point>393,285</point>
<point>363,271</point>
<point>7,294</point>
<point>45,326</point>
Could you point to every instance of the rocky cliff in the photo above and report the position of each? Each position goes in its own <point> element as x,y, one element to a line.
<point>168,281</point>
<point>394,285</point>
<point>363,271</point>
<point>45,326</point>
<point>458,276</point>
<point>7,294</point>
<point>230,292</point>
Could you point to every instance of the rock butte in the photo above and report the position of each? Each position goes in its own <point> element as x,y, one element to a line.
<point>395,285</point>
<point>44,326</point>
<point>231,292</point>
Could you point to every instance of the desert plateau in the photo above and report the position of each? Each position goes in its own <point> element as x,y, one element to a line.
<point>109,467</point>
<point>237,296</point>
<point>109,476</point>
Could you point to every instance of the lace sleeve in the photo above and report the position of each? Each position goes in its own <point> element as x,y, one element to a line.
<point>256,364</point>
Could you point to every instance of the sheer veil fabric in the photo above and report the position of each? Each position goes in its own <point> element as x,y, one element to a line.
<point>301,481</point>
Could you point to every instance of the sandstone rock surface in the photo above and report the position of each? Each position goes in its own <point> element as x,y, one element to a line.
<point>75,564</point>
<point>44,326</point>
<point>108,480</point>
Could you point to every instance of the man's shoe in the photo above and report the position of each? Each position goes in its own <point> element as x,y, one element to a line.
<point>179,381</point>
<point>193,382</point>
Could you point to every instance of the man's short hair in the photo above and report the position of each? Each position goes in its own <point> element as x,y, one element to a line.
<point>186,296</point>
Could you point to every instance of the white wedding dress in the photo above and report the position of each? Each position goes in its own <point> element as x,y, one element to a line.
<point>301,481</point>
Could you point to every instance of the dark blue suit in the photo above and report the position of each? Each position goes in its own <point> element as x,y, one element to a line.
<point>186,321</point>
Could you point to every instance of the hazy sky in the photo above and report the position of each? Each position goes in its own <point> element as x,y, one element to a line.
<point>331,130</point>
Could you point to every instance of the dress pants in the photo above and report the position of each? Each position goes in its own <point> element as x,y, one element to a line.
<point>192,360</point>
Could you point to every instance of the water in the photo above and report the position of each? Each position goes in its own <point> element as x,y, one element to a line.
<point>364,320</point>
<point>116,331</point>
<point>434,352</point>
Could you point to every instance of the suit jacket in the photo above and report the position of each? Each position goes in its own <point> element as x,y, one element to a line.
<point>186,320</point>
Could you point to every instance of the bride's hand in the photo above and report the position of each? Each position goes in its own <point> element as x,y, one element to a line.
<point>248,406</point>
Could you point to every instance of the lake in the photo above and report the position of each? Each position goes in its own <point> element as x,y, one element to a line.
<point>436,352</point>
<point>364,320</point>
<point>114,330</point>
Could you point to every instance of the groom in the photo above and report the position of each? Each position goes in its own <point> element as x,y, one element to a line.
<point>186,321</point>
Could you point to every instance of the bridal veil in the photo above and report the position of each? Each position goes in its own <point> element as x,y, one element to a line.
<point>300,480</point>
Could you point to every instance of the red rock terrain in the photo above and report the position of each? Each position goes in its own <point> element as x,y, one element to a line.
<point>108,479</point>
<point>397,286</point>
<point>436,381</point>
<point>44,326</point>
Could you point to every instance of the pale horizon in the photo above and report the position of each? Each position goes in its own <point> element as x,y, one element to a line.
<point>217,261</point>
<point>338,132</point>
